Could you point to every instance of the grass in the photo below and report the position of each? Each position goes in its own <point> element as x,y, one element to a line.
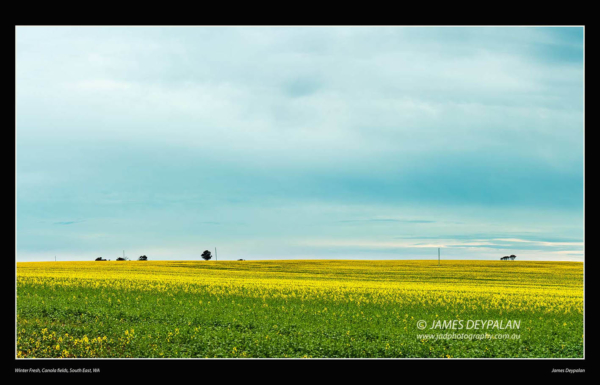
<point>296,308</point>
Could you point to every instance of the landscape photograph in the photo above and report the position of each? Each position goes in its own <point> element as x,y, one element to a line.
<point>404,193</point>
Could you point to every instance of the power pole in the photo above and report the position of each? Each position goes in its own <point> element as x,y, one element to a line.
<point>216,259</point>
<point>438,256</point>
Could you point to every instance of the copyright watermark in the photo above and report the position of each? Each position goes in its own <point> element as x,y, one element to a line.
<point>470,324</point>
<point>466,336</point>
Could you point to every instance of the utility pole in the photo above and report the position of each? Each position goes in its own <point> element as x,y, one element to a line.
<point>438,256</point>
<point>216,259</point>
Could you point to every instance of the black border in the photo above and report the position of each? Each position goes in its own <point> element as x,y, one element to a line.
<point>396,370</point>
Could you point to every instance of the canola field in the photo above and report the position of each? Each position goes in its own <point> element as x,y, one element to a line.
<point>300,308</point>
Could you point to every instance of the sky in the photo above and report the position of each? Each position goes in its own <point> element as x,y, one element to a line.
<point>299,142</point>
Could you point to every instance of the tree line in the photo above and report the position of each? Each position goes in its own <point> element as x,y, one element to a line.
<point>206,255</point>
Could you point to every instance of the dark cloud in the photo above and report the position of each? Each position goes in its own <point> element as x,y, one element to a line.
<point>387,220</point>
<point>67,222</point>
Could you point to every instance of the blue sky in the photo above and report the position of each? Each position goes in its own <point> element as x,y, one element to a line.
<point>315,142</point>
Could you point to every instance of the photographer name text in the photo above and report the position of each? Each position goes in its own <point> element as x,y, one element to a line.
<point>476,324</point>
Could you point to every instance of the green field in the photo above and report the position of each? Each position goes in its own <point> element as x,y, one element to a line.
<point>298,309</point>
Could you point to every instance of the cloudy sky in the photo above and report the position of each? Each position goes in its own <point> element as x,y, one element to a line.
<point>317,142</point>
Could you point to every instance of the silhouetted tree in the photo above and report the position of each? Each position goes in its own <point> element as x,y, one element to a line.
<point>240,259</point>
<point>206,255</point>
<point>121,259</point>
<point>143,258</point>
<point>512,257</point>
<point>100,259</point>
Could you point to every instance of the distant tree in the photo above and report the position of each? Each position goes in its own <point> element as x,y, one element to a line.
<point>512,257</point>
<point>143,258</point>
<point>206,255</point>
<point>100,259</point>
<point>121,259</point>
<point>240,259</point>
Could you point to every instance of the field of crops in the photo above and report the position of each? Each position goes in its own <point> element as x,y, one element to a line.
<point>297,309</point>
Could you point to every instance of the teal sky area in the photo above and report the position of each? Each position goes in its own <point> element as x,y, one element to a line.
<point>300,142</point>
